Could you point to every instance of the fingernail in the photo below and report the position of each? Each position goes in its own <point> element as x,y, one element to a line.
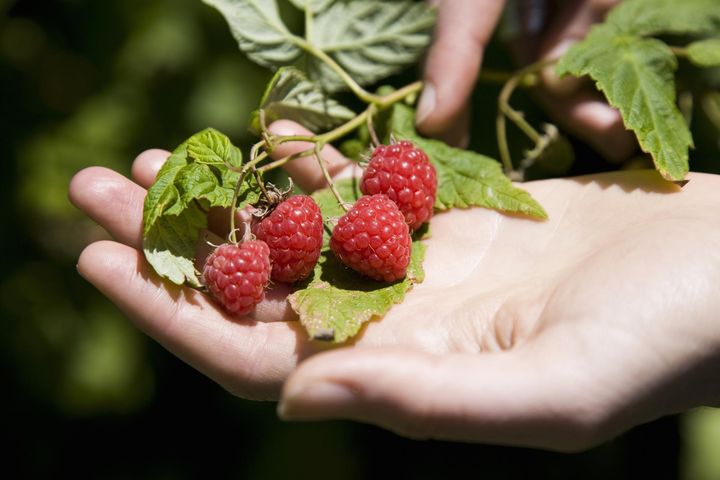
<point>314,401</point>
<point>426,104</point>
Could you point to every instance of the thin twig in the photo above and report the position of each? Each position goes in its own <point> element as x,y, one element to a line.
<point>328,178</point>
<point>371,128</point>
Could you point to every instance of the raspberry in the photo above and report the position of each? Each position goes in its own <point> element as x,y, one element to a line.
<point>403,173</point>
<point>373,239</point>
<point>293,231</point>
<point>237,275</point>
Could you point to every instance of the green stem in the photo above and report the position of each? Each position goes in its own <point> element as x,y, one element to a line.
<point>505,110</point>
<point>233,209</point>
<point>261,184</point>
<point>394,97</point>
<point>308,22</point>
<point>680,52</point>
<point>338,132</point>
<point>501,131</point>
<point>328,178</point>
<point>371,128</point>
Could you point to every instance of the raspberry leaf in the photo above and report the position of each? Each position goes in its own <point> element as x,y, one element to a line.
<point>259,30</point>
<point>292,96</point>
<point>652,17</point>
<point>369,39</point>
<point>314,6</point>
<point>196,177</point>
<point>465,178</point>
<point>705,53</point>
<point>335,301</point>
<point>170,244</point>
<point>636,75</point>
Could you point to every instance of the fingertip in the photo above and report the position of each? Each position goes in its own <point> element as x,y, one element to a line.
<point>146,166</point>
<point>99,258</point>
<point>453,61</point>
<point>93,187</point>
<point>445,97</point>
<point>82,182</point>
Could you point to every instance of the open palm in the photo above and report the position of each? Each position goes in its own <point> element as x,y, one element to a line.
<point>556,334</point>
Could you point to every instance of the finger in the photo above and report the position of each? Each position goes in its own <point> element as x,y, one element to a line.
<point>146,166</point>
<point>463,29</point>
<point>305,171</point>
<point>112,201</point>
<point>249,358</point>
<point>587,116</point>
<point>493,397</point>
<point>570,25</point>
<point>458,134</point>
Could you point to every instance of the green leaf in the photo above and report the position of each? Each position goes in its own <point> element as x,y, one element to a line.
<point>652,17</point>
<point>292,96</point>
<point>170,245</point>
<point>705,53</point>
<point>465,178</point>
<point>314,6</point>
<point>337,301</point>
<point>370,39</point>
<point>259,30</point>
<point>636,76</point>
<point>211,147</point>
<point>196,177</point>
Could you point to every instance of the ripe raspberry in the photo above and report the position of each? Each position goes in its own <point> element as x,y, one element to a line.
<point>293,231</point>
<point>373,239</point>
<point>237,275</point>
<point>403,173</point>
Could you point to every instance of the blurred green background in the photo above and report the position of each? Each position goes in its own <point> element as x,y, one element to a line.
<point>94,83</point>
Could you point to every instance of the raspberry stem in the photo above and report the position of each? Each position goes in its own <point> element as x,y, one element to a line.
<point>505,110</point>
<point>328,178</point>
<point>371,126</point>
<point>233,208</point>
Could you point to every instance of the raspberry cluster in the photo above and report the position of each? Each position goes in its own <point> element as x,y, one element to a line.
<point>286,249</point>
<point>373,238</point>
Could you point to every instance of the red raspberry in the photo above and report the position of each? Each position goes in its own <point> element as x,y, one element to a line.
<point>373,239</point>
<point>403,173</point>
<point>237,275</point>
<point>293,231</point>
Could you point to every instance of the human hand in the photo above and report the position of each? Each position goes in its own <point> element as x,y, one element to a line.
<point>556,334</point>
<point>454,60</point>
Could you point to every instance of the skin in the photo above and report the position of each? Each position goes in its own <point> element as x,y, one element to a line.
<point>450,74</point>
<point>557,334</point>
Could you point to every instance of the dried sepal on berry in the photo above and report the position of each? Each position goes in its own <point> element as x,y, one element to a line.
<point>293,231</point>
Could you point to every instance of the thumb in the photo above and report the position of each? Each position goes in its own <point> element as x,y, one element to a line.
<point>463,29</point>
<point>490,397</point>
